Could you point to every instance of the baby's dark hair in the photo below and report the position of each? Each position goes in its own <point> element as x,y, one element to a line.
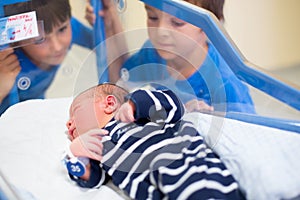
<point>214,6</point>
<point>52,12</point>
<point>105,89</point>
<point>112,89</point>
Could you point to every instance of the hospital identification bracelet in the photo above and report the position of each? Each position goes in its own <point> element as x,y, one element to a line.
<point>75,165</point>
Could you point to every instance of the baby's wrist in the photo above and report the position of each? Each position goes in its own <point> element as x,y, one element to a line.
<point>76,166</point>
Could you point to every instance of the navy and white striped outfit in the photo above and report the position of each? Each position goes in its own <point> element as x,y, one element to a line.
<point>161,156</point>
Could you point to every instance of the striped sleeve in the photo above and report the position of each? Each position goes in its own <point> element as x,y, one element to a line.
<point>161,106</point>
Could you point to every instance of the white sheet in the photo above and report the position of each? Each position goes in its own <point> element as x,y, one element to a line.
<point>265,161</point>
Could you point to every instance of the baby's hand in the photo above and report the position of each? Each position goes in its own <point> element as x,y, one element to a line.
<point>126,112</point>
<point>197,105</point>
<point>89,144</point>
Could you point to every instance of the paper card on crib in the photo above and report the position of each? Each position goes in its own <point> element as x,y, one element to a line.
<point>18,27</point>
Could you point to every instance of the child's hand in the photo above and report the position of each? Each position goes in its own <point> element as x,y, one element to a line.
<point>89,13</point>
<point>197,105</point>
<point>89,144</point>
<point>9,70</point>
<point>90,16</point>
<point>126,112</point>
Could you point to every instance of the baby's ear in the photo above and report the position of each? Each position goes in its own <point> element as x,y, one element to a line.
<point>111,104</point>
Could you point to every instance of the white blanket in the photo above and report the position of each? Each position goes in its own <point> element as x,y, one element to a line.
<point>265,161</point>
<point>32,141</point>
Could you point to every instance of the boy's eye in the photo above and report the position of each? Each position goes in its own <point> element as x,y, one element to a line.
<point>39,40</point>
<point>177,23</point>
<point>152,18</point>
<point>62,29</point>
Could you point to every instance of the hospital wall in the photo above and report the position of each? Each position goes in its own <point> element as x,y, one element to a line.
<point>267,32</point>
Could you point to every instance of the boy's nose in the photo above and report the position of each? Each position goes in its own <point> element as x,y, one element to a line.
<point>163,28</point>
<point>56,44</point>
<point>162,31</point>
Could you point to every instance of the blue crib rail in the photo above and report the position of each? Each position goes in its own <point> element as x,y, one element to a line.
<point>2,4</point>
<point>99,42</point>
<point>244,69</point>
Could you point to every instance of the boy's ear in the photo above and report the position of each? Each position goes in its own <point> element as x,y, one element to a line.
<point>111,104</point>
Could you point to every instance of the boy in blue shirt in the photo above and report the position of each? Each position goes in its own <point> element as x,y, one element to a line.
<point>179,56</point>
<point>27,72</point>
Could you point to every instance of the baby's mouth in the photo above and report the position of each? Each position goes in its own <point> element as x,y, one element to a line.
<point>71,134</point>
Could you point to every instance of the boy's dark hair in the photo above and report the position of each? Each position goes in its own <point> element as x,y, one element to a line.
<point>52,12</point>
<point>214,6</point>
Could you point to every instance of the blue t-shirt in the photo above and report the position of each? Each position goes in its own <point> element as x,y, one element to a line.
<point>213,82</point>
<point>32,82</point>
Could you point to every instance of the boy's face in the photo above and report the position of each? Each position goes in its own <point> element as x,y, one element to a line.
<point>83,117</point>
<point>53,49</point>
<point>171,36</point>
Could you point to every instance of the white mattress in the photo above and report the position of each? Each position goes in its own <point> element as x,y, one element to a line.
<point>265,161</point>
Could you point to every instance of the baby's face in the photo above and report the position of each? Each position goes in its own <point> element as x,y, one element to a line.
<point>83,117</point>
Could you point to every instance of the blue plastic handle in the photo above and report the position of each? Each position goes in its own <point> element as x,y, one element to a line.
<point>2,4</point>
<point>99,42</point>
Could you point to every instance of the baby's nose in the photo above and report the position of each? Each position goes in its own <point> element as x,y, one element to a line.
<point>69,123</point>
